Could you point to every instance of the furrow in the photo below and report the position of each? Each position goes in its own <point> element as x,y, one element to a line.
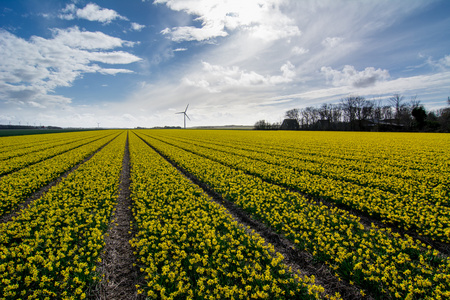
<point>120,275</point>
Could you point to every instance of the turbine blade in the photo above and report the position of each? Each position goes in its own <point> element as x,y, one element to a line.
<point>186,108</point>
<point>187,116</point>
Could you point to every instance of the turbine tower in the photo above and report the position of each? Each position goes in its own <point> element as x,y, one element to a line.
<point>185,115</point>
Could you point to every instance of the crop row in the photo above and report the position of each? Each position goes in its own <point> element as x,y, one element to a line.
<point>402,151</point>
<point>377,260</point>
<point>409,177</point>
<point>50,251</point>
<point>413,206</point>
<point>15,187</point>
<point>19,145</point>
<point>389,155</point>
<point>189,247</point>
<point>46,151</point>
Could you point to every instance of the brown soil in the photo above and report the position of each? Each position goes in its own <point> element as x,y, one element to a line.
<point>118,266</point>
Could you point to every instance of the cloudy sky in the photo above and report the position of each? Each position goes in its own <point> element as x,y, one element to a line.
<point>136,63</point>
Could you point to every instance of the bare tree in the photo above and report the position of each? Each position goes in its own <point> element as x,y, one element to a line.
<point>415,102</point>
<point>366,109</point>
<point>386,112</point>
<point>357,110</point>
<point>354,112</point>
<point>304,118</point>
<point>313,114</point>
<point>396,101</point>
<point>262,125</point>
<point>265,125</point>
<point>293,114</point>
<point>324,113</point>
<point>336,113</point>
<point>444,117</point>
<point>377,110</point>
<point>349,109</point>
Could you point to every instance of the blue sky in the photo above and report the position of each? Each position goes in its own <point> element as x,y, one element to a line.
<point>136,63</point>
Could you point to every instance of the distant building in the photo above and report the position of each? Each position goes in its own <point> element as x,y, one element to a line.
<point>290,124</point>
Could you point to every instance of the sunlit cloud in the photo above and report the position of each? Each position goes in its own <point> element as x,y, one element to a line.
<point>262,19</point>
<point>214,78</point>
<point>136,26</point>
<point>32,69</point>
<point>350,76</point>
<point>332,42</point>
<point>299,50</point>
<point>91,12</point>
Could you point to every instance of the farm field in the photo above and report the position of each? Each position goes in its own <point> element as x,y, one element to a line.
<point>217,214</point>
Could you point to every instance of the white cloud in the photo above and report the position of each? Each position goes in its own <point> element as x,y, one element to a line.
<point>115,57</point>
<point>107,71</point>
<point>349,76</point>
<point>421,85</point>
<point>179,49</point>
<point>441,64</point>
<point>188,33</point>
<point>136,26</point>
<point>288,71</point>
<point>202,83</point>
<point>332,42</point>
<point>91,12</point>
<point>299,50</point>
<point>31,70</point>
<point>214,78</point>
<point>445,61</point>
<point>68,12</point>
<point>262,19</point>
<point>75,38</point>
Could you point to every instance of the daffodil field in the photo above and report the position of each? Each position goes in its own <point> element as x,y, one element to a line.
<point>311,188</point>
<point>50,250</point>
<point>15,186</point>
<point>189,247</point>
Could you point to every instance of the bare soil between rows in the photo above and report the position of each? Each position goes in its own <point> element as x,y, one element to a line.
<point>118,267</point>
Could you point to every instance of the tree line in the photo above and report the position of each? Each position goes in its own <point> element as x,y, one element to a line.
<point>359,114</point>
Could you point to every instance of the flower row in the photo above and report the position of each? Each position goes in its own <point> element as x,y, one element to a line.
<point>410,206</point>
<point>189,247</point>
<point>15,187</point>
<point>378,260</point>
<point>46,151</point>
<point>13,146</point>
<point>50,251</point>
<point>360,170</point>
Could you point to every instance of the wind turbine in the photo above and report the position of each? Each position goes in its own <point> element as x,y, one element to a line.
<point>185,115</point>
